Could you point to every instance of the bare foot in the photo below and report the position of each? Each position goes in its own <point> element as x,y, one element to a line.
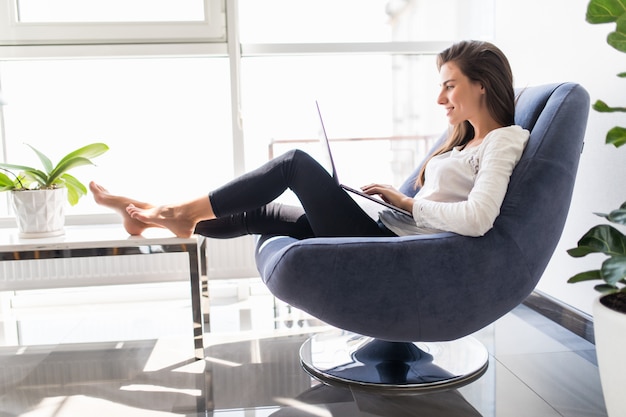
<point>173,218</point>
<point>118,203</point>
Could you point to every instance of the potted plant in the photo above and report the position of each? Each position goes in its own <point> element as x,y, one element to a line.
<point>609,309</point>
<point>39,195</point>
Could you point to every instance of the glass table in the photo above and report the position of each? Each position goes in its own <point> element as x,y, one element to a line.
<point>155,256</point>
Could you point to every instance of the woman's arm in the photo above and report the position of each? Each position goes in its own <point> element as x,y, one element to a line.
<point>476,215</point>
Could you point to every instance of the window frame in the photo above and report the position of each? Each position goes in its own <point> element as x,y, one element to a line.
<point>16,33</point>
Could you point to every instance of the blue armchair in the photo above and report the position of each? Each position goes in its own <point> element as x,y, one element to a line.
<point>389,297</point>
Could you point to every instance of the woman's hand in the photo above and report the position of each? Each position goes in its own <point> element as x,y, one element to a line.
<point>390,195</point>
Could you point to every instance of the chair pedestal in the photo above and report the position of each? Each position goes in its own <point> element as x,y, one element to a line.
<point>343,358</point>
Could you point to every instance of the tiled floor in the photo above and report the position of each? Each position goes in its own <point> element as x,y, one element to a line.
<point>102,358</point>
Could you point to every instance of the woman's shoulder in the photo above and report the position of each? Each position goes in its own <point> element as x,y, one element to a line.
<point>510,139</point>
<point>513,131</point>
<point>507,134</point>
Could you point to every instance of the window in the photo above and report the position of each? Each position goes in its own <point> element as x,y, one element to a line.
<point>152,79</point>
<point>166,121</point>
<point>279,94</point>
<point>362,97</point>
<point>40,22</point>
<point>344,55</point>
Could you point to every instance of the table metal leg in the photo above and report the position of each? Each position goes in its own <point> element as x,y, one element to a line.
<point>196,301</point>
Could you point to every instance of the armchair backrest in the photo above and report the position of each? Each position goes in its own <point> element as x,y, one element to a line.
<point>538,199</point>
<point>541,186</point>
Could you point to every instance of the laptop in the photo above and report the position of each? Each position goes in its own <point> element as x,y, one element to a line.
<point>331,162</point>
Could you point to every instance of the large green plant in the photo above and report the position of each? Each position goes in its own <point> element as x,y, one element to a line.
<point>608,11</point>
<point>52,176</point>
<point>604,238</point>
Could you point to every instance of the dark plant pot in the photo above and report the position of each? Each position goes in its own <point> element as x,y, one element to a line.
<point>615,301</point>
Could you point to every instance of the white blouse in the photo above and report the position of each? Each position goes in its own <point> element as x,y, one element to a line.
<point>464,188</point>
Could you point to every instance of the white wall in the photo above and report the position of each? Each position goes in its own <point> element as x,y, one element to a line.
<point>550,41</point>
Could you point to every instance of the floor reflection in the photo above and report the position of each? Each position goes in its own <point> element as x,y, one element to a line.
<point>252,367</point>
<point>58,381</point>
<point>324,400</point>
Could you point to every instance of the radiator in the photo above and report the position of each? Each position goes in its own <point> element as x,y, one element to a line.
<point>93,271</point>
<point>231,258</point>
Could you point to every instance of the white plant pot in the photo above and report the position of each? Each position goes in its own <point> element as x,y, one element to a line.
<point>610,334</point>
<point>40,213</point>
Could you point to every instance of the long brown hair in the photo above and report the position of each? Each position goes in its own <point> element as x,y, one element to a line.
<point>484,63</point>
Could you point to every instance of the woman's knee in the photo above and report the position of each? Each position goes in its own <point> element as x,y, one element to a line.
<point>297,155</point>
<point>297,165</point>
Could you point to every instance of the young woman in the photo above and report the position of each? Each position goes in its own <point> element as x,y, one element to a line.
<point>460,189</point>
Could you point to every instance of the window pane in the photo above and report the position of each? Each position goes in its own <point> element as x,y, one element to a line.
<point>361,97</point>
<point>299,21</point>
<point>302,21</point>
<point>451,20</point>
<point>40,11</point>
<point>166,121</point>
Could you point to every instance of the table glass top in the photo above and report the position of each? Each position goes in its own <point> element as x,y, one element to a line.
<point>88,236</point>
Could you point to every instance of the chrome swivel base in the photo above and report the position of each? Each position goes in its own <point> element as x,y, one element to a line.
<point>343,358</point>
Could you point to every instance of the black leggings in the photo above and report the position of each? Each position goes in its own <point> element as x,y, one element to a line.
<point>246,205</point>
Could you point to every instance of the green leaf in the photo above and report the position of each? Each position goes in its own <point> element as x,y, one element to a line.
<point>606,289</point>
<point>65,166</point>
<point>88,152</point>
<point>14,167</point>
<point>5,180</point>
<point>616,136</point>
<point>618,216</point>
<point>617,39</point>
<point>30,172</point>
<point>605,11</point>
<point>586,276</point>
<point>77,158</point>
<point>614,269</point>
<point>600,239</point>
<point>602,107</point>
<point>75,189</point>
<point>6,183</point>
<point>45,161</point>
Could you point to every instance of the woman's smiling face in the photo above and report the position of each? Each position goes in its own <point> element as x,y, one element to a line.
<point>461,97</point>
